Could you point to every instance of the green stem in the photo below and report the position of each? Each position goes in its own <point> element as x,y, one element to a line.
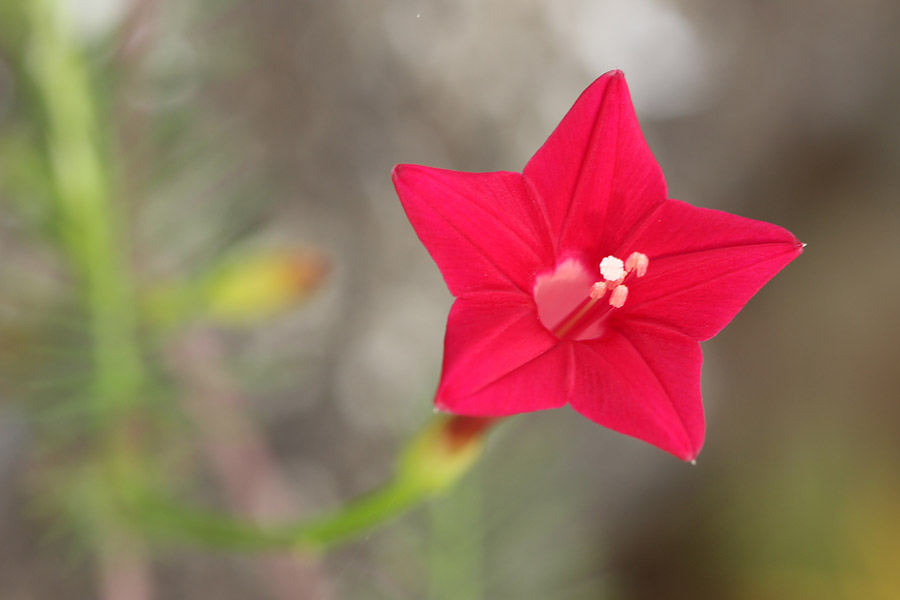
<point>90,231</point>
<point>171,521</point>
<point>89,223</point>
<point>432,463</point>
<point>363,515</point>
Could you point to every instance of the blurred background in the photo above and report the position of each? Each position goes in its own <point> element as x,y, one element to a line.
<point>207,280</point>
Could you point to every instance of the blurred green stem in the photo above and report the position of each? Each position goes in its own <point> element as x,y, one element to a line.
<point>89,225</point>
<point>90,232</point>
<point>432,463</point>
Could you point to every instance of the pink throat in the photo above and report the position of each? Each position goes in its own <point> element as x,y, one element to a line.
<point>573,304</point>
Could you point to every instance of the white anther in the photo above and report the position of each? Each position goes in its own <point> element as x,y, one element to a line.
<point>637,262</point>
<point>598,290</point>
<point>612,268</point>
<point>618,296</point>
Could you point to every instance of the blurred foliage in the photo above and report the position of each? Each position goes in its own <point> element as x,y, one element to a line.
<point>280,300</point>
<point>86,361</point>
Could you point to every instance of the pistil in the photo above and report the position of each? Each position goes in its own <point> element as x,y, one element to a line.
<point>575,316</point>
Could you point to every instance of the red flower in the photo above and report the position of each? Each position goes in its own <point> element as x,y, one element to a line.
<point>578,281</point>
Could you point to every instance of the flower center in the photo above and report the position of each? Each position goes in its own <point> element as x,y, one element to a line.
<point>568,299</point>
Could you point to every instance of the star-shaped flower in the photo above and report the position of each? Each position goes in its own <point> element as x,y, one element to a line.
<point>579,282</point>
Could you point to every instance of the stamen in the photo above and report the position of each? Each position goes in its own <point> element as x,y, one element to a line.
<point>557,295</point>
<point>618,296</point>
<point>598,290</point>
<point>637,262</point>
<point>612,268</point>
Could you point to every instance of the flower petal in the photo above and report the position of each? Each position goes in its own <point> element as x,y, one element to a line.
<point>595,174</point>
<point>498,358</point>
<point>705,265</point>
<point>643,381</point>
<point>484,230</point>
